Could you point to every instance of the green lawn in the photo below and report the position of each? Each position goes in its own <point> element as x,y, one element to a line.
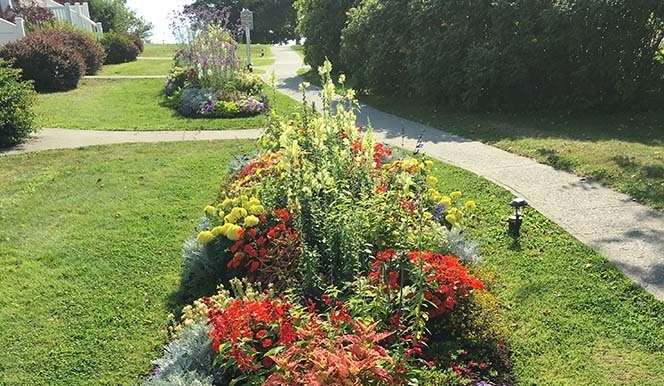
<point>160,50</point>
<point>90,255</point>
<point>134,104</point>
<point>575,319</point>
<point>90,246</point>
<point>139,67</point>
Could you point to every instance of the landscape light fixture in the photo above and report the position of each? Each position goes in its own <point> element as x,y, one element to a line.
<point>515,221</point>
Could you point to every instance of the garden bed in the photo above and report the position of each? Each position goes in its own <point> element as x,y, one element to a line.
<point>341,264</point>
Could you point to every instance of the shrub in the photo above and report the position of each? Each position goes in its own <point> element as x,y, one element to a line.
<point>16,98</point>
<point>85,44</point>
<point>376,60</point>
<point>47,60</point>
<point>119,47</point>
<point>32,12</point>
<point>138,42</point>
<point>321,22</point>
<point>509,54</point>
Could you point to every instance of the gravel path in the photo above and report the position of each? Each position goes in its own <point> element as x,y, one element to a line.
<point>628,234</point>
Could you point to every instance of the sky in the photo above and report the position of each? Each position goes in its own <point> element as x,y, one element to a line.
<point>158,13</point>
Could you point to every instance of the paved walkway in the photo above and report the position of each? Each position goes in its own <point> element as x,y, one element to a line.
<point>628,234</point>
<point>48,139</point>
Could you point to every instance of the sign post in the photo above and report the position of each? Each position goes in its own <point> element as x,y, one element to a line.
<point>247,22</point>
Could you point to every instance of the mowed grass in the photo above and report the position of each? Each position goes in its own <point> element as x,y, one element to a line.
<point>623,151</point>
<point>139,67</point>
<point>90,256</point>
<point>574,318</point>
<point>160,50</point>
<point>135,104</point>
<point>90,245</point>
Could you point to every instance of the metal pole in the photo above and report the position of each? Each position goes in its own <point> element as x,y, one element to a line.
<point>247,31</point>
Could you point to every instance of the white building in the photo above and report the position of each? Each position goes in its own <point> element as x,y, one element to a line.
<point>76,14</point>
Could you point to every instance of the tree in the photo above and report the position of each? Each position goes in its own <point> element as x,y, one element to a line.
<point>321,22</point>
<point>116,16</point>
<point>274,20</point>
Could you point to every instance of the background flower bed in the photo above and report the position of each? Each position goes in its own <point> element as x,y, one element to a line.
<point>208,79</point>
<point>357,250</point>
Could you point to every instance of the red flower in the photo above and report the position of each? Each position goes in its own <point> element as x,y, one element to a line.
<point>267,343</point>
<point>283,215</point>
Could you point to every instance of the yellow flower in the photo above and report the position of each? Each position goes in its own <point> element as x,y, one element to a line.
<point>432,181</point>
<point>435,195</point>
<point>455,195</point>
<point>230,219</point>
<point>470,205</point>
<point>220,230</point>
<point>251,221</point>
<point>446,201</point>
<point>205,237</point>
<point>428,163</point>
<point>257,209</point>
<point>234,232</point>
<point>451,219</point>
<point>210,210</point>
<point>239,213</point>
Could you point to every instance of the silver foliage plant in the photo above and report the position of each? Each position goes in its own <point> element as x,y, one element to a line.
<point>187,360</point>
<point>465,250</point>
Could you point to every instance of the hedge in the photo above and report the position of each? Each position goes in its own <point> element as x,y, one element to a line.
<point>496,54</point>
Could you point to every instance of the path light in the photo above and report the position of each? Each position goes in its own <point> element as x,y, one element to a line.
<point>515,221</point>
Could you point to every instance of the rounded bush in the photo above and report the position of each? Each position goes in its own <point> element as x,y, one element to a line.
<point>138,42</point>
<point>120,48</point>
<point>16,98</point>
<point>47,60</point>
<point>86,44</point>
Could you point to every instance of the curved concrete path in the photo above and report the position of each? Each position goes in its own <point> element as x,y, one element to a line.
<point>47,139</point>
<point>628,234</point>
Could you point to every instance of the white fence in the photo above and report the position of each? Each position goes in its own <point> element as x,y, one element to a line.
<point>77,14</point>
<point>10,32</point>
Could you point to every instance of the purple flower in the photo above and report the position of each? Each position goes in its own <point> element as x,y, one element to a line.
<point>208,108</point>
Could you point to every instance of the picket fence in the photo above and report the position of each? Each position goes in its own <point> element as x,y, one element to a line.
<point>76,14</point>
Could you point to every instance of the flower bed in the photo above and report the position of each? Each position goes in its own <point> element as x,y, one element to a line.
<point>338,262</point>
<point>208,80</point>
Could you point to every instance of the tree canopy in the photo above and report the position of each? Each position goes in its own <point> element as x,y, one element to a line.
<point>274,20</point>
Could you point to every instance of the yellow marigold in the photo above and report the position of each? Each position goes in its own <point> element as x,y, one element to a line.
<point>451,219</point>
<point>234,232</point>
<point>428,163</point>
<point>434,195</point>
<point>239,213</point>
<point>257,210</point>
<point>432,181</point>
<point>446,201</point>
<point>455,195</point>
<point>210,210</point>
<point>205,237</point>
<point>470,205</point>
<point>220,230</point>
<point>251,221</point>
